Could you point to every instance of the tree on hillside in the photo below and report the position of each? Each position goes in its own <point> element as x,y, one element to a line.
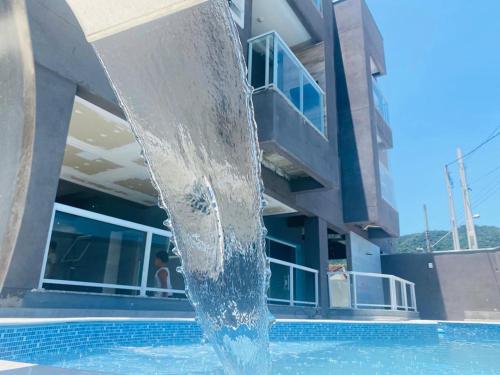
<point>488,237</point>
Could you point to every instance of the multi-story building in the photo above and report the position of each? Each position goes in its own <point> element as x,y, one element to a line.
<point>92,224</point>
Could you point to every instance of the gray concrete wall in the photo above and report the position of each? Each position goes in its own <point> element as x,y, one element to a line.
<point>310,17</point>
<point>283,130</point>
<point>358,39</point>
<point>459,284</point>
<point>54,97</point>
<point>59,45</point>
<point>17,124</point>
<point>316,243</point>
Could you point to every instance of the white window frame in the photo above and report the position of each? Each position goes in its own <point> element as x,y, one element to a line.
<point>149,231</point>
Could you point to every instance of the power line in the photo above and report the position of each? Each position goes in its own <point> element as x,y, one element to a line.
<point>487,174</point>
<point>480,193</point>
<point>491,193</point>
<point>494,135</point>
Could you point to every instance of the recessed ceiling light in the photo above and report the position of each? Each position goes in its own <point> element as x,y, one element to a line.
<point>77,167</point>
<point>78,111</point>
<point>89,140</point>
<point>86,164</point>
<point>103,135</point>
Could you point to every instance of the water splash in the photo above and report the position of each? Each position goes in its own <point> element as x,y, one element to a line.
<point>181,80</point>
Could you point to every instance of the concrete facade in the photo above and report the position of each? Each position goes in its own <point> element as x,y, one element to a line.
<point>360,57</point>
<point>18,125</point>
<point>454,285</point>
<point>54,96</point>
<point>338,190</point>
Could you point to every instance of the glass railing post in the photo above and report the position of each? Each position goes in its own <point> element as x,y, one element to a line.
<point>291,286</point>
<point>145,265</point>
<point>302,92</point>
<point>250,62</point>
<point>354,291</point>
<point>394,302</point>
<point>47,246</point>
<point>267,60</point>
<point>413,298</point>
<point>404,296</point>
<point>275,60</point>
<point>316,289</point>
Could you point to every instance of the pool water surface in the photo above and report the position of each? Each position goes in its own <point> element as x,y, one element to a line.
<point>297,347</point>
<point>367,358</point>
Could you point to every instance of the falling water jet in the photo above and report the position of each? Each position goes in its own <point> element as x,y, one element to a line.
<point>178,71</point>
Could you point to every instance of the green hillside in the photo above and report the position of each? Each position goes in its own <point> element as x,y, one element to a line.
<point>487,237</point>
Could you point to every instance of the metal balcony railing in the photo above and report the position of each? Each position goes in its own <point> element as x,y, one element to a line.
<point>271,64</point>
<point>362,290</point>
<point>380,103</point>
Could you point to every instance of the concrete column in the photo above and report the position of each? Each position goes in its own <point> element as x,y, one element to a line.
<point>316,253</point>
<point>54,104</point>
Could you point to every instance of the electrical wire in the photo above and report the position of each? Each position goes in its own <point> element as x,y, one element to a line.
<point>487,174</point>
<point>490,138</point>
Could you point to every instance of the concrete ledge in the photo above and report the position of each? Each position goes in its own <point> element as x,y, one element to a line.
<point>490,316</point>
<point>372,315</point>
<point>92,301</point>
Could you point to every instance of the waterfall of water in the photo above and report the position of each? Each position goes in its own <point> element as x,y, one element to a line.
<point>180,78</point>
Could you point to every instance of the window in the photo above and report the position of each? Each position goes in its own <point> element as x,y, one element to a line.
<point>238,9</point>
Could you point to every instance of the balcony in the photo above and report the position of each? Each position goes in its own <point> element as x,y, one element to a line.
<point>271,64</point>
<point>380,102</point>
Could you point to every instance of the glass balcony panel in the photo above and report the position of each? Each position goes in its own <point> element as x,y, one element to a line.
<point>386,185</point>
<point>380,102</point>
<point>90,251</point>
<point>289,76</point>
<point>313,104</point>
<point>259,50</point>
<point>304,287</point>
<point>279,284</point>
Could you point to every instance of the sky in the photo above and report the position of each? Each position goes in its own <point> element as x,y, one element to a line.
<point>443,89</point>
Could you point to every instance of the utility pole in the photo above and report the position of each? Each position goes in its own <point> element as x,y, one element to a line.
<point>427,238</point>
<point>469,219</point>
<point>451,206</point>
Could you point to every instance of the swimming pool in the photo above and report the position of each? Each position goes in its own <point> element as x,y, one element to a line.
<point>298,347</point>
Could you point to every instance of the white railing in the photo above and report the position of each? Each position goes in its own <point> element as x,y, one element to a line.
<point>387,292</point>
<point>291,287</point>
<point>142,288</point>
<point>271,64</point>
<point>148,232</point>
